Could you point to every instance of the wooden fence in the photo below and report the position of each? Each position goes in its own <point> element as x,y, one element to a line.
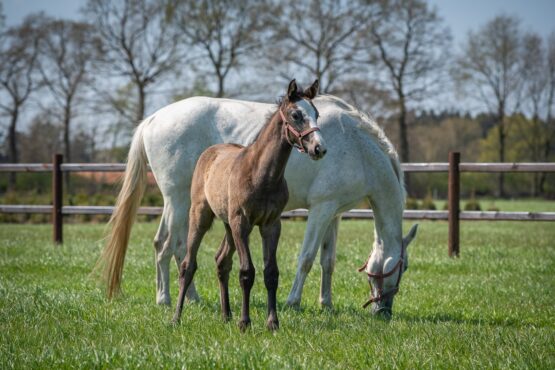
<point>453,214</point>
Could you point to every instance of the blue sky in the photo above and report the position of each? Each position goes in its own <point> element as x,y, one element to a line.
<point>460,15</point>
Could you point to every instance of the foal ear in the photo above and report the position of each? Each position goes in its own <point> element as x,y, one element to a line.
<point>292,90</point>
<point>312,91</point>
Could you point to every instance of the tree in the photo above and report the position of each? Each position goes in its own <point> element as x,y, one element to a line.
<point>2,17</point>
<point>490,66</point>
<point>316,37</point>
<point>550,101</point>
<point>410,44</point>
<point>18,55</point>
<point>139,43</point>
<point>535,83</point>
<point>224,31</point>
<point>67,50</point>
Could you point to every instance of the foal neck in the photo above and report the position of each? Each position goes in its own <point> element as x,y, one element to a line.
<point>270,152</point>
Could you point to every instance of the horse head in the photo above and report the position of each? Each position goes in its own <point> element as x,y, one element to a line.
<point>300,115</point>
<point>385,269</point>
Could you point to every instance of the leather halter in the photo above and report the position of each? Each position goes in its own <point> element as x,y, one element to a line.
<point>379,281</point>
<point>298,135</point>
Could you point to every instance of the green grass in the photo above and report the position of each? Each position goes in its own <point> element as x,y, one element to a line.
<point>494,307</point>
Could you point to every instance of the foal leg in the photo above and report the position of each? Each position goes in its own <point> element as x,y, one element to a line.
<point>241,229</point>
<point>319,218</point>
<point>200,220</point>
<point>224,262</point>
<point>327,261</point>
<point>270,238</point>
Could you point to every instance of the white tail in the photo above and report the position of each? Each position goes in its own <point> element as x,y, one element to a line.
<point>134,183</point>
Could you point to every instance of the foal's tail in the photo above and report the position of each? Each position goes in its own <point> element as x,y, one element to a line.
<point>121,222</point>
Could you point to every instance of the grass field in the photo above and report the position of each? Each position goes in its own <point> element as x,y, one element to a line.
<point>494,307</point>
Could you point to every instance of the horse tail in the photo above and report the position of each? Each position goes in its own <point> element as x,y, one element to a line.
<point>134,183</point>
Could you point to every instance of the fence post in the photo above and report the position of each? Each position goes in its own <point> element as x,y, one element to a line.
<point>454,203</point>
<point>57,196</point>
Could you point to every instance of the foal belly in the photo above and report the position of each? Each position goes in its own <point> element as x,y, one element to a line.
<point>267,208</point>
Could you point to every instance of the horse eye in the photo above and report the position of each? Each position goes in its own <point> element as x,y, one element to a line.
<point>296,115</point>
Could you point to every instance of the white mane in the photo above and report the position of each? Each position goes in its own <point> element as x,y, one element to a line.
<point>371,127</point>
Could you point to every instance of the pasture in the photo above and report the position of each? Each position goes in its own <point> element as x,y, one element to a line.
<point>494,307</point>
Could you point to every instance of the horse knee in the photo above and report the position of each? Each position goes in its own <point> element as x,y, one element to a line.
<point>246,277</point>
<point>188,269</point>
<point>271,277</point>
<point>328,264</point>
<point>305,263</point>
<point>223,268</point>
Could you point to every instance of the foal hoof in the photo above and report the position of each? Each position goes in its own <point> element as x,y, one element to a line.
<point>272,324</point>
<point>244,325</point>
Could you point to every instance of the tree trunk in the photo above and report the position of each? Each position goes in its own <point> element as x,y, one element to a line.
<point>14,155</point>
<point>501,134</point>
<point>141,103</point>
<point>221,90</point>
<point>67,144</point>
<point>403,138</point>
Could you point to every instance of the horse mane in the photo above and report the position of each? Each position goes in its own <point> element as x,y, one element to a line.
<point>369,125</point>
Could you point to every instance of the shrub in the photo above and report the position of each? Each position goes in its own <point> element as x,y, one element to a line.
<point>411,203</point>
<point>428,202</point>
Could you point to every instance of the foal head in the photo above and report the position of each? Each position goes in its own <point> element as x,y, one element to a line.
<point>299,116</point>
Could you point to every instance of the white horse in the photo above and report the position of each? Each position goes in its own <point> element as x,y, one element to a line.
<point>361,164</point>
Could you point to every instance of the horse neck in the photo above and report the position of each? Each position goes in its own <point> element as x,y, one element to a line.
<point>270,152</point>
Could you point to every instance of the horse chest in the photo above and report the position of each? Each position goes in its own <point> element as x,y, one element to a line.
<point>265,204</point>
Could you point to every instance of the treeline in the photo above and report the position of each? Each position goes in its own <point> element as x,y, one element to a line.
<point>81,86</point>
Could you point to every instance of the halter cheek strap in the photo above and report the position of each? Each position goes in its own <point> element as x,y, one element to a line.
<point>379,282</point>
<point>287,128</point>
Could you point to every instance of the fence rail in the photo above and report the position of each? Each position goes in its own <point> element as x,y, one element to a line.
<point>407,167</point>
<point>454,167</point>
<point>303,213</point>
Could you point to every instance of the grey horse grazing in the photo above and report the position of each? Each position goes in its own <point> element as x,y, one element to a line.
<point>245,187</point>
<point>361,165</point>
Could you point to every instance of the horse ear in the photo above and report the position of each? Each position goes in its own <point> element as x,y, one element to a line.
<point>292,90</point>
<point>312,91</point>
<point>412,233</point>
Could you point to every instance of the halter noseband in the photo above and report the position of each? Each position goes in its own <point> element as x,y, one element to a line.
<point>298,135</point>
<point>379,281</point>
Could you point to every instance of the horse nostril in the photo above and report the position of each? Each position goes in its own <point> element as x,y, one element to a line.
<point>324,152</point>
<point>317,150</point>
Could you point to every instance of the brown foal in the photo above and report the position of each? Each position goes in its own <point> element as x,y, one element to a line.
<point>244,187</point>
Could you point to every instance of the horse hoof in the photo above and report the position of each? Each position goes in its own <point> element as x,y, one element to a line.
<point>244,325</point>
<point>326,306</point>
<point>272,324</point>
<point>163,301</point>
<point>293,305</point>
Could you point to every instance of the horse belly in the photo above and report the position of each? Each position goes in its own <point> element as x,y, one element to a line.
<point>216,185</point>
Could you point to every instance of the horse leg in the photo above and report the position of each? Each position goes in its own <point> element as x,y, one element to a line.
<point>169,241</point>
<point>319,218</point>
<point>241,229</point>
<point>270,239</point>
<point>327,261</point>
<point>162,258</point>
<point>224,262</point>
<point>200,220</point>
<point>181,250</point>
